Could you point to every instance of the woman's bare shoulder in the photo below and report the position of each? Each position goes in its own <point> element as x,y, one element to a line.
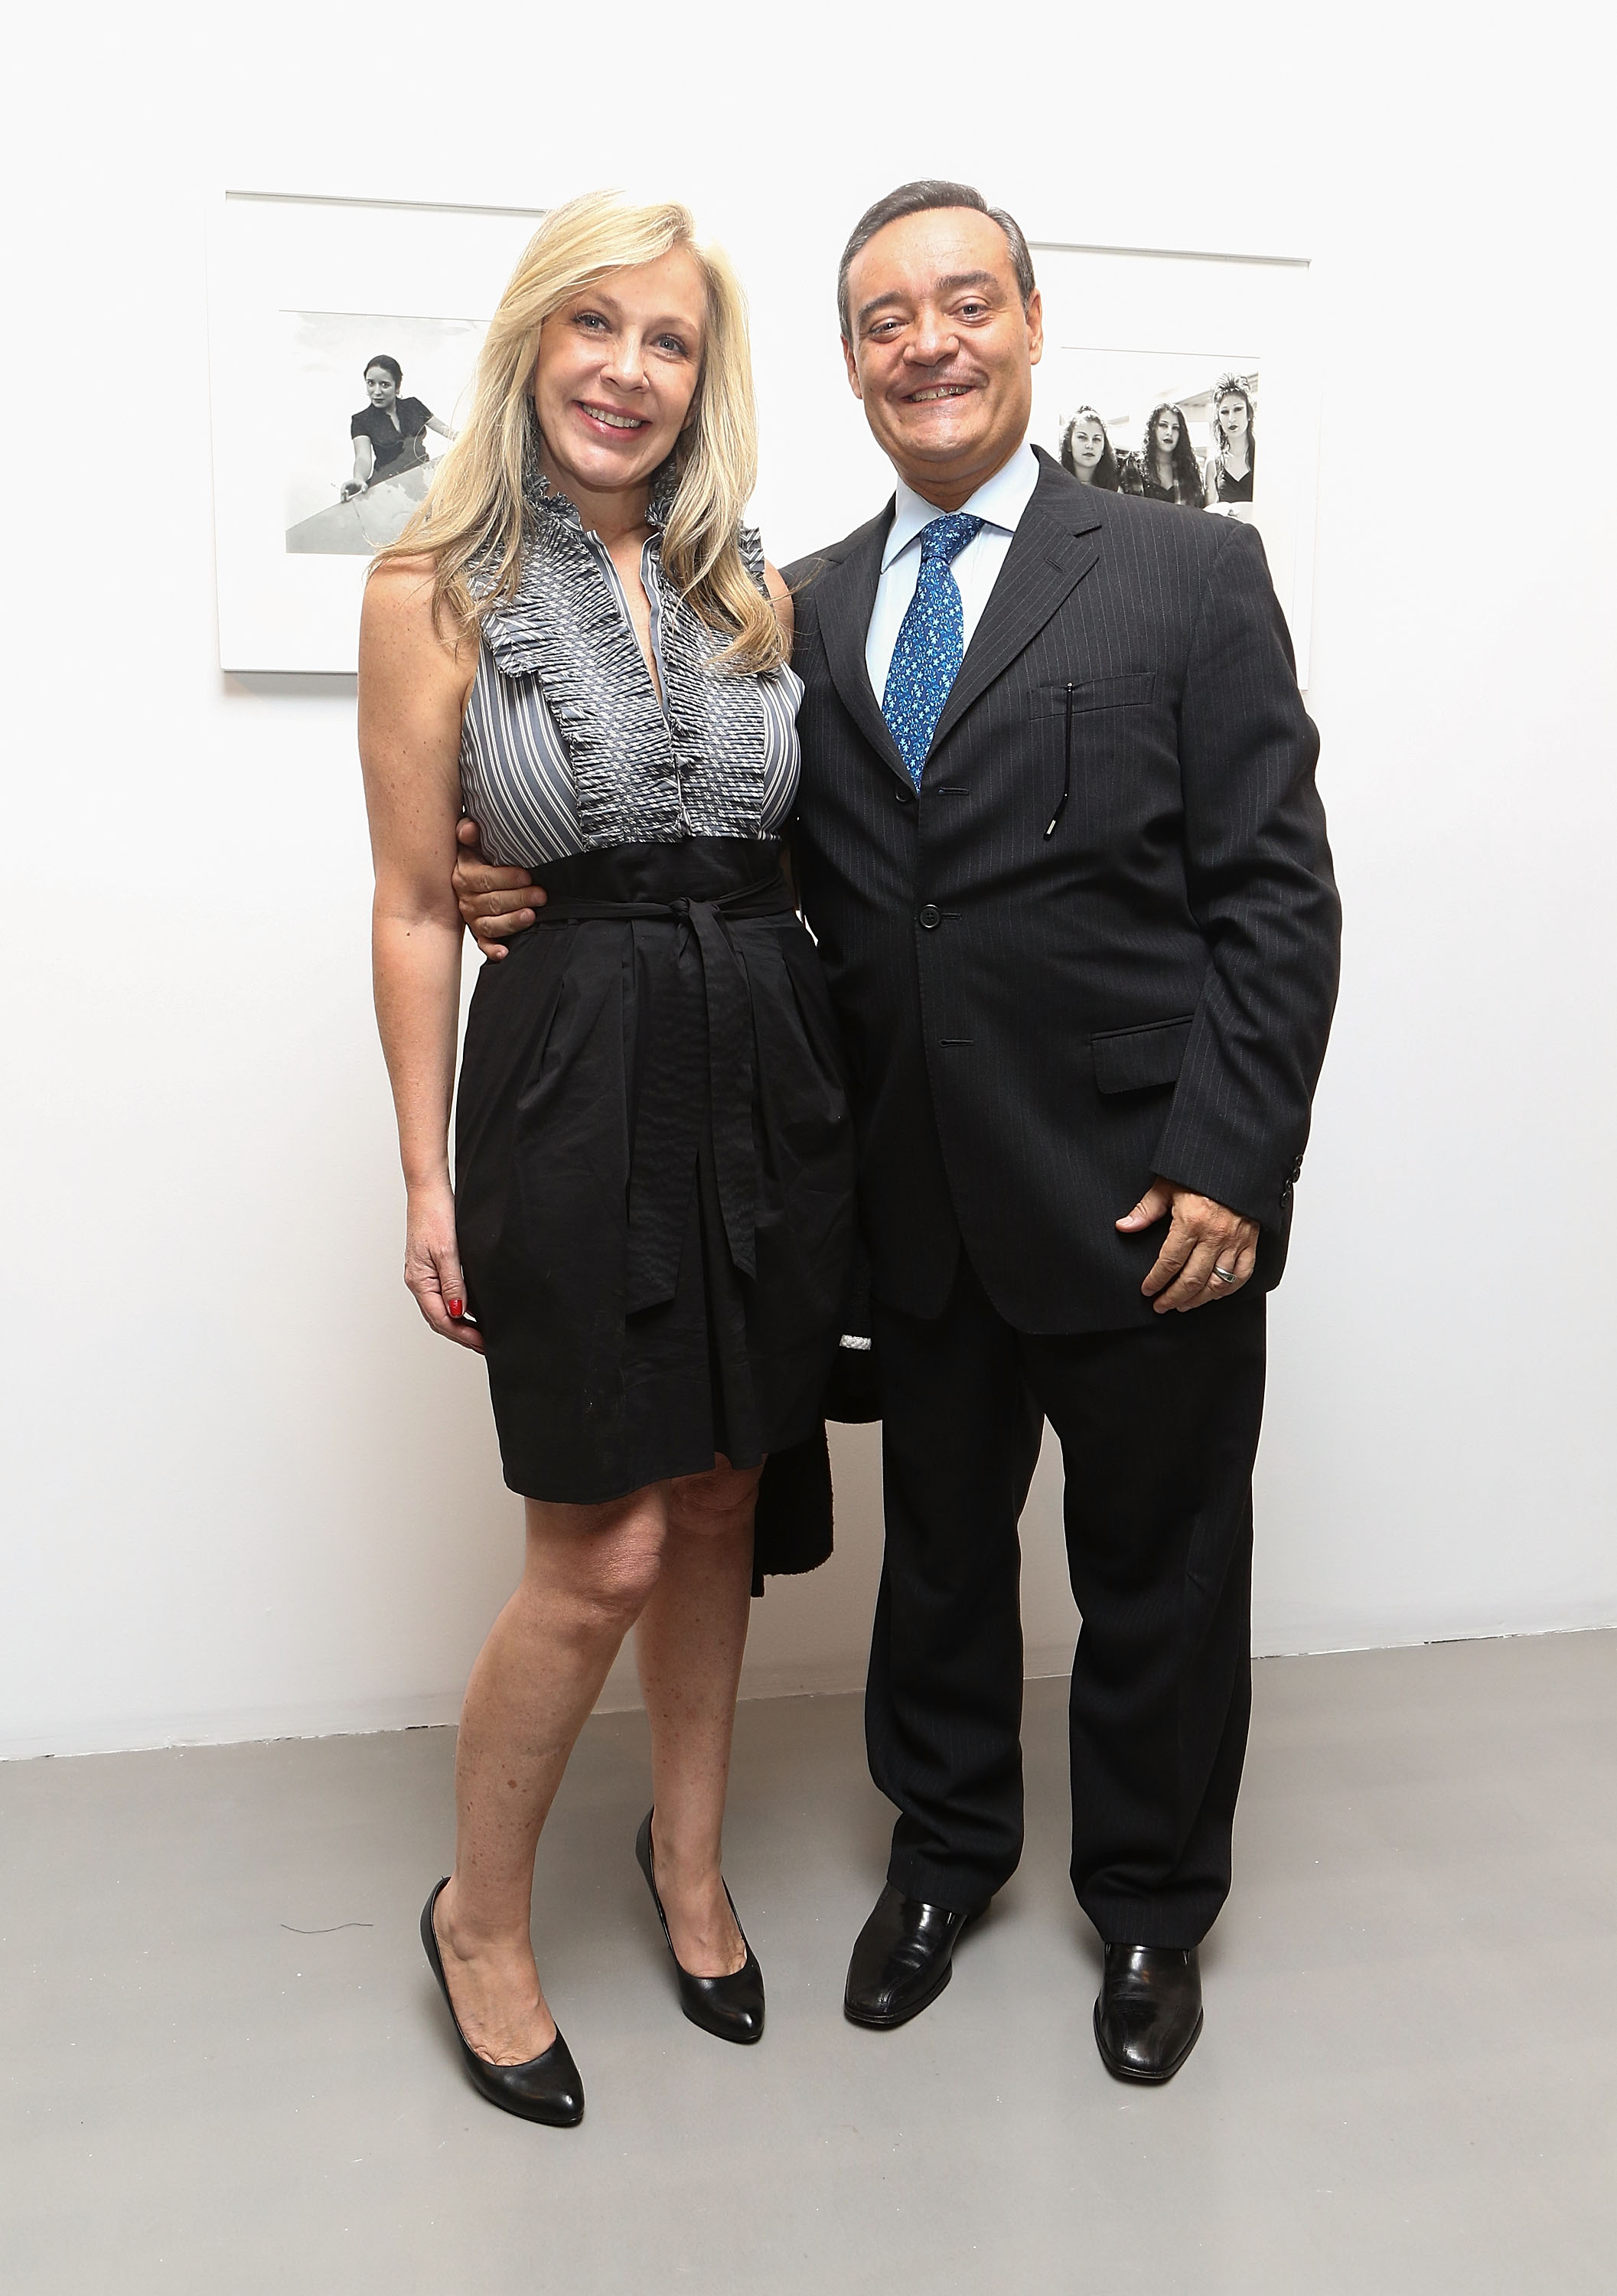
<point>780,598</point>
<point>401,585</point>
<point>400,606</point>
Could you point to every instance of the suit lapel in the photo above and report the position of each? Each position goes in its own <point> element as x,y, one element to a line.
<point>1054,548</point>
<point>843,598</point>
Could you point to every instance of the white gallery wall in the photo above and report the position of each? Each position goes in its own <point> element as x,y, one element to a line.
<point>243,1492</point>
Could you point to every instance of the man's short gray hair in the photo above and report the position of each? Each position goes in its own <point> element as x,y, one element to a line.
<point>917,199</point>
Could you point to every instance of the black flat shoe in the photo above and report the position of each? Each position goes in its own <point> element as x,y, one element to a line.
<point>733,2006</point>
<point>547,2089</point>
<point>902,1959</point>
<point>1148,2013</point>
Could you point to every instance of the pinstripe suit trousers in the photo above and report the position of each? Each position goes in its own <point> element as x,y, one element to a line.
<point>1157,1427</point>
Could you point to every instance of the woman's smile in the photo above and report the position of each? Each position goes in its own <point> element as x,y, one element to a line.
<point>608,419</point>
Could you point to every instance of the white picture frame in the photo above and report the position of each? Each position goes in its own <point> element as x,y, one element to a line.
<point>1137,326</point>
<point>291,279</point>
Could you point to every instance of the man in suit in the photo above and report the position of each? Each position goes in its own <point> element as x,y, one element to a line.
<point>1059,841</point>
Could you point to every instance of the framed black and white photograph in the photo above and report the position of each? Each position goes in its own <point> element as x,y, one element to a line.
<point>344,337</point>
<point>355,473</point>
<point>1191,380</point>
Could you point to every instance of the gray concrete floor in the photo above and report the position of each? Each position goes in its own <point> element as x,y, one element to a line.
<point>1405,2082</point>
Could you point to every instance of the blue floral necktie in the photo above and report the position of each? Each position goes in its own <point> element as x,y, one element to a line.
<point>932,641</point>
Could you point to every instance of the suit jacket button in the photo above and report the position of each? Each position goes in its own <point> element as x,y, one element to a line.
<point>903,797</point>
<point>930,918</point>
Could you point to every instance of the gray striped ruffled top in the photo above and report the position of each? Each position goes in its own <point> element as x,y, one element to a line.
<point>565,746</point>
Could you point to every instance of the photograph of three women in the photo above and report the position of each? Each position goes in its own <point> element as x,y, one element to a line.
<point>1166,465</point>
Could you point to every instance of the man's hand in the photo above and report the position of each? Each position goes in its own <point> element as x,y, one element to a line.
<point>485,895</point>
<point>1209,1252</point>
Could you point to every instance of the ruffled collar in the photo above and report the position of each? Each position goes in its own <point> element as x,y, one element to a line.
<point>549,502</point>
<point>640,762</point>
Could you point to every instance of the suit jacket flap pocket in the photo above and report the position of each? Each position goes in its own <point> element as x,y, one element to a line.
<point>1132,1060</point>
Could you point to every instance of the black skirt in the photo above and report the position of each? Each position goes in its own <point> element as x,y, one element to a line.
<point>654,1172</point>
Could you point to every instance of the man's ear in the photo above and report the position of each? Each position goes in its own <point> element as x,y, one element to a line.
<point>853,370</point>
<point>1036,328</point>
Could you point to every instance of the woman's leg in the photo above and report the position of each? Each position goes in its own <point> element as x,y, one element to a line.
<point>689,1643</point>
<point>588,1575</point>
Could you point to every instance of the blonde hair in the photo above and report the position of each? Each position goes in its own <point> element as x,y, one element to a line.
<point>474,518</point>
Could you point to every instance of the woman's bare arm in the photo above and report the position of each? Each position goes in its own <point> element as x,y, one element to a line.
<point>364,462</point>
<point>413,687</point>
<point>780,597</point>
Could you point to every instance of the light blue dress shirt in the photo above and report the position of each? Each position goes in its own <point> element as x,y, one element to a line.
<point>999,502</point>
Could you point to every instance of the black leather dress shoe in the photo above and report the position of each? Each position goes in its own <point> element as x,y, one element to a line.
<point>733,2006</point>
<point>1148,2013</point>
<point>902,1959</point>
<point>545,2089</point>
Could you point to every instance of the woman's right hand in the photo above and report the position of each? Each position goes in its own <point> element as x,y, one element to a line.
<point>432,1268</point>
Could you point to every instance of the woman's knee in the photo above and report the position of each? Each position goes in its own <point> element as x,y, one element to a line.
<point>604,1572</point>
<point>717,1505</point>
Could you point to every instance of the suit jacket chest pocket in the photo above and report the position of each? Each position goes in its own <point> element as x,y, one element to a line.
<point>1109,758</point>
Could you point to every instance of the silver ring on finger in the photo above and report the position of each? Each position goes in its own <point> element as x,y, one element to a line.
<point>1224,1274</point>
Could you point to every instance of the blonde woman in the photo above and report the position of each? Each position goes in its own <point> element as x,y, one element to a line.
<point>579,643</point>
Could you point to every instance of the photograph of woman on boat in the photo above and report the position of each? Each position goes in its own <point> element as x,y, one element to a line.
<point>357,424</point>
<point>389,432</point>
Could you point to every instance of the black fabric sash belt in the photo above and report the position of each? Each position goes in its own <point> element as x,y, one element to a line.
<point>694,889</point>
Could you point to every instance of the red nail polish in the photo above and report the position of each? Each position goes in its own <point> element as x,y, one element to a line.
<point>455,1306</point>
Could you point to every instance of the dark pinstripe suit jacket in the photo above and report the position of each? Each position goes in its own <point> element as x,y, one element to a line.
<point>1037,1023</point>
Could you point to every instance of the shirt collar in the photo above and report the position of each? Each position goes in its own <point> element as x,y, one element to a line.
<point>999,501</point>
